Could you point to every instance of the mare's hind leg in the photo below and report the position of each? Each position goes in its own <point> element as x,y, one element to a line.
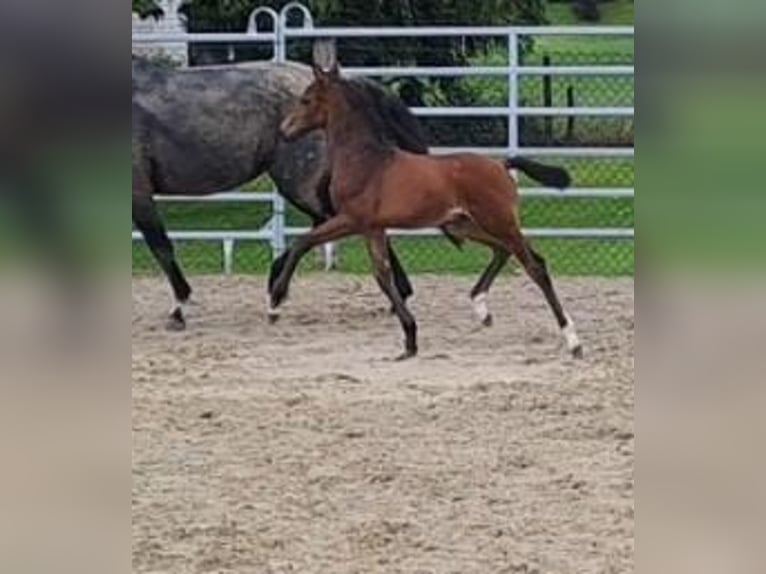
<point>147,221</point>
<point>276,269</point>
<point>379,252</point>
<point>274,272</point>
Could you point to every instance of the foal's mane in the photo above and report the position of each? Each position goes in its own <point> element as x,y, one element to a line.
<point>400,125</point>
<point>365,110</point>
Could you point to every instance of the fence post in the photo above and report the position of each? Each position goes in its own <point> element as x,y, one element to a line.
<point>513,92</point>
<point>228,256</point>
<point>252,24</point>
<point>308,23</point>
<point>277,201</point>
<point>278,242</point>
<point>547,101</point>
<point>570,119</point>
<point>278,238</point>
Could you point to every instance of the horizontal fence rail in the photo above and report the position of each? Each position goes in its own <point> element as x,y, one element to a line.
<point>500,71</point>
<point>442,32</point>
<point>276,231</point>
<point>472,111</point>
<point>230,238</point>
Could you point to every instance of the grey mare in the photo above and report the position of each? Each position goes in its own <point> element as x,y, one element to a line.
<point>204,130</point>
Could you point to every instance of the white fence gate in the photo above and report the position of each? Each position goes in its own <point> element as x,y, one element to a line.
<point>280,33</point>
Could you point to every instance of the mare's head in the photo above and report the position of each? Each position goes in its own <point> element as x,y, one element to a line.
<point>313,109</point>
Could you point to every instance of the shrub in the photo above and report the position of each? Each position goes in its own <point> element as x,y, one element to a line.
<point>587,10</point>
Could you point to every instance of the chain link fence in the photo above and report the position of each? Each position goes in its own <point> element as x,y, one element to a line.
<point>427,254</point>
<point>572,256</point>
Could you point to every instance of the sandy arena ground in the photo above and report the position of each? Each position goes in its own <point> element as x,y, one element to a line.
<point>302,448</point>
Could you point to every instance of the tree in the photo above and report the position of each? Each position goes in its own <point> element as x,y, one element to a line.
<point>232,15</point>
<point>208,15</point>
<point>147,8</point>
<point>587,10</point>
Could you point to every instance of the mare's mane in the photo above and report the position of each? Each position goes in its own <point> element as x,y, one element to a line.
<point>391,122</point>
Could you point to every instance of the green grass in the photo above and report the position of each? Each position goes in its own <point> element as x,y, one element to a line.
<point>432,255</point>
<point>589,91</point>
<point>418,255</point>
<point>615,13</point>
<point>573,49</point>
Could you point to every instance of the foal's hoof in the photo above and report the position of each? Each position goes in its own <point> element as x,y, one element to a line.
<point>488,320</point>
<point>176,321</point>
<point>577,352</point>
<point>272,310</point>
<point>408,354</point>
<point>273,316</point>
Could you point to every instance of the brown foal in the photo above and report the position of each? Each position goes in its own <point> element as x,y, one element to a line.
<point>376,186</point>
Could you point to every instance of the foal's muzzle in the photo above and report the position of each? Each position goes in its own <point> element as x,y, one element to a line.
<point>287,129</point>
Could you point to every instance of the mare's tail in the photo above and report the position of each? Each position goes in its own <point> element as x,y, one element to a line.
<point>548,175</point>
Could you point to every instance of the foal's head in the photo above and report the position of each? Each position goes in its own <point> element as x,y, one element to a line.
<point>312,110</point>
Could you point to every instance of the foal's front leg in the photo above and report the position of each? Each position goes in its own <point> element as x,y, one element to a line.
<point>377,246</point>
<point>333,229</point>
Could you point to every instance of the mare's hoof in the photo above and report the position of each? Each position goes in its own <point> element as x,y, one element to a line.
<point>176,321</point>
<point>272,316</point>
<point>488,320</point>
<point>577,352</point>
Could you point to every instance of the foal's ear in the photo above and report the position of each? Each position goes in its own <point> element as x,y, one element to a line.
<point>325,58</point>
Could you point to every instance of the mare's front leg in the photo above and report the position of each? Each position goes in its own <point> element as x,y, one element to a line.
<point>378,248</point>
<point>333,229</point>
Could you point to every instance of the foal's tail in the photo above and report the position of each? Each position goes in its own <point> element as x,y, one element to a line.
<point>549,175</point>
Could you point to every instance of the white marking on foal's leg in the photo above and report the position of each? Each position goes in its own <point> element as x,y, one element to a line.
<point>570,335</point>
<point>272,313</point>
<point>481,308</point>
<point>177,305</point>
<point>329,256</point>
<point>177,317</point>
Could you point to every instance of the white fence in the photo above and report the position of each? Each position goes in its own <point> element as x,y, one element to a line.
<point>280,33</point>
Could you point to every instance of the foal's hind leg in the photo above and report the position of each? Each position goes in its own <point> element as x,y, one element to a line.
<point>537,269</point>
<point>147,220</point>
<point>465,228</point>
<point>378,249</point>
<point>481,289</point>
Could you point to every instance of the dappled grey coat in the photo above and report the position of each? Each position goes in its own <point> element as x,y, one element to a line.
<point>204,130</point>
